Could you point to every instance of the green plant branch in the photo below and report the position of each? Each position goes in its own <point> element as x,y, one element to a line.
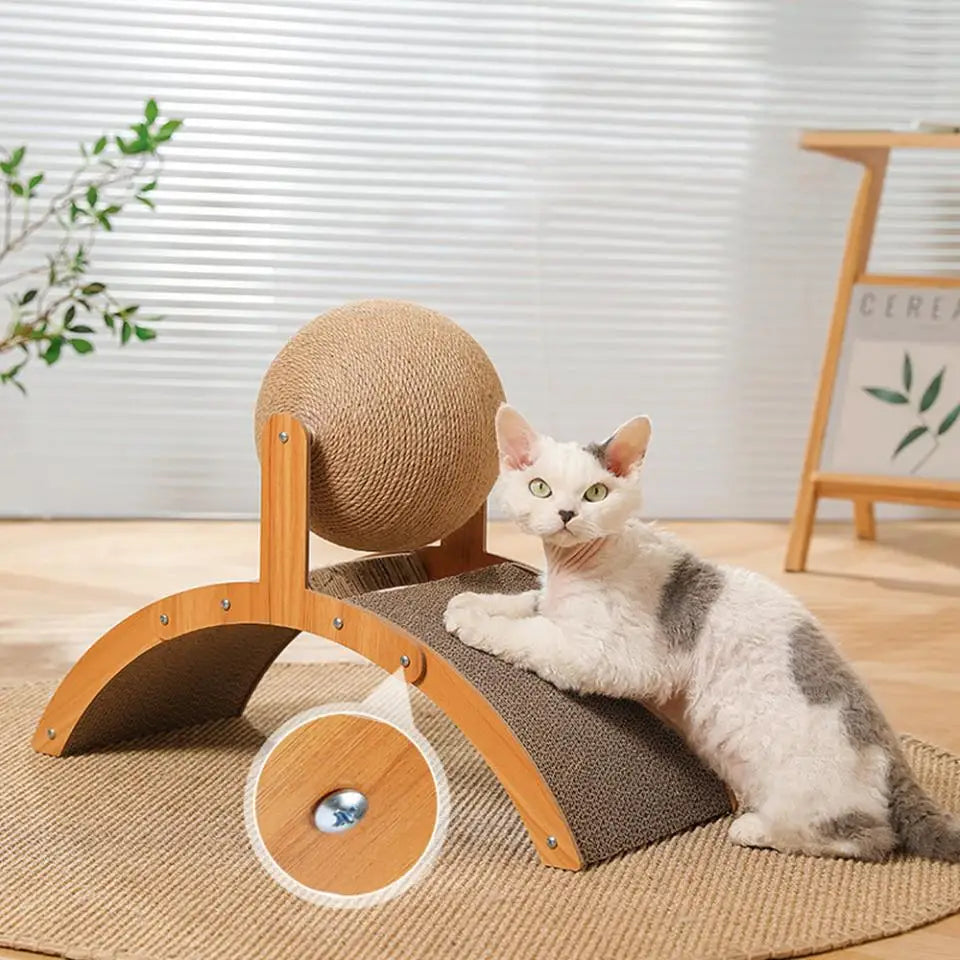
<point>55,312</point>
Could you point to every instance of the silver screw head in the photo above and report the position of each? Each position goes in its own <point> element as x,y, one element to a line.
<point>552,843</point>
<point>225,603</point>
<point>284,436</point>
<point>51,733</point>
<point>164,619</point>
<point>340,811</point>
<point>337,623</point>
<point>404,661</point>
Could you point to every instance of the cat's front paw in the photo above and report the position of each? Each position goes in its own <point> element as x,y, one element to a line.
<point>466,618</point>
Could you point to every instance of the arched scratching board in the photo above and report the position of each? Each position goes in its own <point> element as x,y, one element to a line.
<point>591,777</point>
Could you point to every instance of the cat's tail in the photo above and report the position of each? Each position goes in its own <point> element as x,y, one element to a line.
<point>923,828</point>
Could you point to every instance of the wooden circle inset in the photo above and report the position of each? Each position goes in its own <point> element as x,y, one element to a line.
<point>340,751</point>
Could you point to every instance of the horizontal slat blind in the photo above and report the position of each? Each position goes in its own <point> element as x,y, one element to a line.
<point>607,195</point>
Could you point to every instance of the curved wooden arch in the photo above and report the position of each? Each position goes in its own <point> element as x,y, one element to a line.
<point>200,654</point>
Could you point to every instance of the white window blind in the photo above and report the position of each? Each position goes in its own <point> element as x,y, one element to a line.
<point>607,195</point>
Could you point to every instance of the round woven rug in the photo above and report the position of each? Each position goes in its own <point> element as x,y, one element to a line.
<point>140,852</point>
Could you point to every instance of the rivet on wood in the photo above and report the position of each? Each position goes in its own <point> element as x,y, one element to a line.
<point>552,843</point>
<point>225,603</point>
<point>284,436</point>
<point>164,619</point>
<point>51,733</point>
<point>337,623</point>
<point>404,660</point>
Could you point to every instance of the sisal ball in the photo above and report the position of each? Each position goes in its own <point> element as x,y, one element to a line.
<point>400,403</point>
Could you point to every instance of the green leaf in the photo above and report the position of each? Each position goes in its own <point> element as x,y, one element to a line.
<point>907,372</point>
<point>151,111</point>
<point>74,212</point>
<point>104,221</point>
<point>147,202</point>
<point>113,208</point>
<point>81,345</point>
<point>123,146</point>
<point>930,395</point>
<point>92,195</point>
<point>16,188</point>
<point>108,320</point>
<point>168,129</point>
<point>912,435</point>
<point>100,146</point>
<point>129,310</point>
<point>17,156</point>
<point>27,297</point>
<point>6,167</point>
<point>145,333</point>
<point>887,396</point>
<point>69,315</point>
<point>125,332</point>
<point>147,187</point>
<point>35,180</point>
<point>52,354</point>
<point>92,288</point>
<point>948,421</point>
<point>82,328</point>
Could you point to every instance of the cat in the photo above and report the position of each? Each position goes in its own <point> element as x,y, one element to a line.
<point>626,610</point>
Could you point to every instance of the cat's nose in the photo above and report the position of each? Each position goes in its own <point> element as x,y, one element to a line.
<point>566,515</point>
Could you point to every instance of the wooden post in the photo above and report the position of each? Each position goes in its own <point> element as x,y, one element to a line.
<point>284,525</point>
<point>855,257</point>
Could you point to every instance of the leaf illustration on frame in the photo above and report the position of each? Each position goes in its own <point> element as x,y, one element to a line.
<point>907,371</point>
<point>887,396</point>
<point>930,395</point>
<point>914,434</point>
<point>948,421</point>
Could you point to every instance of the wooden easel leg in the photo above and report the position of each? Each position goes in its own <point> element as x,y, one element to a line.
<point>801,529</point>
<point>864,520</point>
<point>859,238</point>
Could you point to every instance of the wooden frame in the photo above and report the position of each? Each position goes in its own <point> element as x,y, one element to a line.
<point>871,149</point>
<point>200,654</point>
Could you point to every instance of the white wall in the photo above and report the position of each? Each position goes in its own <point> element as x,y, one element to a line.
<point>607,195</point>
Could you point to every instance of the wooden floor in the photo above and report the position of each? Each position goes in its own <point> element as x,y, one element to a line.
<point>893,605</point>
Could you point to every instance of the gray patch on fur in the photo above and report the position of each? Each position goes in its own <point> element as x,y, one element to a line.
<point>871,837</point>
<point>599,450</point>
<point>824,677</point>
<point>690,591</point>
<point>923,828</point>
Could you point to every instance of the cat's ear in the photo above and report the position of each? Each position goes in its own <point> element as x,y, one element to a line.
<point>516,439</point>
<point>627,447</point>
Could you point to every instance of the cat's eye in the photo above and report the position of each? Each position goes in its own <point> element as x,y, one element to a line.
<point>540,488</point>
<point>596,493</point>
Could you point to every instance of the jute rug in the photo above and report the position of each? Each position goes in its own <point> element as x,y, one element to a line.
<point>140,852</point>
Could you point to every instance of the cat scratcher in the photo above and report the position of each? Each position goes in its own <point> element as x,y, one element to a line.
<point>591,777</point>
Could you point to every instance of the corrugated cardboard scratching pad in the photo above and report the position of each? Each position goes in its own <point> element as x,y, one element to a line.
<point>400,404</point>
<point>140,851</point>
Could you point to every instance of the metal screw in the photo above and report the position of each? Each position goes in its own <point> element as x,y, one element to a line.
<point>404,661</point>
<point>339,811</point>
<point>51,733</point>
<point>225,603</point>
<point>552,843</point>
<point>283,436</point>
<point>337,623</point>
<point>164,619</point>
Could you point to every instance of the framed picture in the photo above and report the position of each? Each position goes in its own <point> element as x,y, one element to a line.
<point>896,399</point>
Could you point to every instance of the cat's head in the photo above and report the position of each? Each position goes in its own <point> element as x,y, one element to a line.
<point>566,493</point>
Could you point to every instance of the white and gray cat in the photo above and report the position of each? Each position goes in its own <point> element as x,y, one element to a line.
<point>626,610</point>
